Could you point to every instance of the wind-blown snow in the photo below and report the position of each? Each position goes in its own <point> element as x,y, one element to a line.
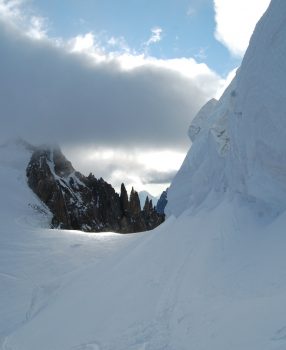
<point>212,279</point>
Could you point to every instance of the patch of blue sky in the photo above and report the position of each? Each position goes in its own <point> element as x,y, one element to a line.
<point>187,26</point>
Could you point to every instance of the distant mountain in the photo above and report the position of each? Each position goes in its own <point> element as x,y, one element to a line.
<point>162,202</point>
<point>144,194</point>
<point>85,203</point>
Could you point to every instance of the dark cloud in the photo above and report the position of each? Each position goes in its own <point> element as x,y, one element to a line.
<point>158,177</point>
<point>50,95</point>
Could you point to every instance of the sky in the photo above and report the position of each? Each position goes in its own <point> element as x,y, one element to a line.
<point>117,83</point>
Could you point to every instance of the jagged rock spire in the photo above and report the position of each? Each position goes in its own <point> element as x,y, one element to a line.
<point>85,203</point>
<point>135,206</point>
<point>146,205</point>
<point>124,200</point>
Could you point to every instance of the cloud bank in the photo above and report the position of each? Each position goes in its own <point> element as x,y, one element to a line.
<point>75,92</point>
<point>81,95</point>
<point>49,94</point>
<point>235,22</point>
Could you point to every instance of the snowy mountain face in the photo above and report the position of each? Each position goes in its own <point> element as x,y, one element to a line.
<point>201,122</point>
<point>16,197</point>
<point>203,170</point>
<point>239,142</point>
<point>143,195</point>
<point>259,162</point>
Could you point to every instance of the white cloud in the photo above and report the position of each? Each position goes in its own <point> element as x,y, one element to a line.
<point>37,28</point>
<point>156,36</point>
<point>118,43</point>
<point>83,43</point>
<point>13,14</point>
<point>235,22</point>
<point>100,47</point>
<point>10,9</point>
<point>139,167</point>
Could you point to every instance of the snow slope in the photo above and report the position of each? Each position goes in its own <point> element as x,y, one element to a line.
<point>239,143</point>
<point>211,279</point>
<point>217,284</point>
<point>34,260</point>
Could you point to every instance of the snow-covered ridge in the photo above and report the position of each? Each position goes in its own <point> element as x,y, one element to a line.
<point>241,148</point>
<point>18,203</point>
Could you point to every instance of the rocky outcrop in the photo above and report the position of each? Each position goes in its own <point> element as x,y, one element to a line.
<point>150,214</point>
<point>85,203</point>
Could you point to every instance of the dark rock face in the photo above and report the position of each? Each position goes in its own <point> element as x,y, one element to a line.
<point>162,202</point>
<point>85,203</point>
